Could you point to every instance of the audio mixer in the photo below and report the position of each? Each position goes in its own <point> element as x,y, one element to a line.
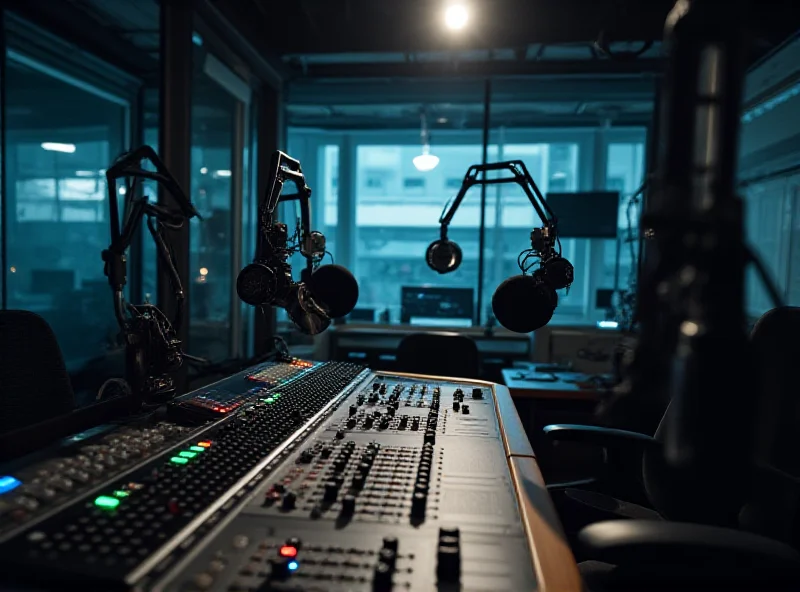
<point>328,478</point>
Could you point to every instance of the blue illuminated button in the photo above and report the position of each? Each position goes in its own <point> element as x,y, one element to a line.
<point>8,483</point>
<point>293,565</point>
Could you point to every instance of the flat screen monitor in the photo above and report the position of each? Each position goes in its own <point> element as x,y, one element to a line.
<point>587,214</point>
<point>437,306</point>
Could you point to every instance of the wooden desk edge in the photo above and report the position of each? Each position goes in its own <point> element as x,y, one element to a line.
<point>556,569</point>
<point>554,563</point>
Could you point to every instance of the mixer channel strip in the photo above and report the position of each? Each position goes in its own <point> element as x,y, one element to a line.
<point>112,532</point>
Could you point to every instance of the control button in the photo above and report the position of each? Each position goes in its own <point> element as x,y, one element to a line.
<point>390,411</point>
<point>306,457</point>
<point>382,579</point>
<point>331,491</point>
<point>390,542</point>
<point>430,437</point>
<point>281,567</point>
<point>289,501</point>
<point>240,541</point>
<point>340,434</point>
<point>358,481</point>
<point>351,423</point>
<point>418,503</point>
<point>288,551</point>
<point>326,452</point>
<point>353,410</point>
<point>448,564</point>
<point>348,505</point>
<point>388,556</point>
<point>477,393</point>
<point>465,409</point>
<point>204,581</point>
<point>456,405</point>
<point>294,542</point>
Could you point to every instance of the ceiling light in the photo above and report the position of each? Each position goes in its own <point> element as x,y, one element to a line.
<point>59,147</point>
<point>122,191</point>
<point>203,170</point>
<point>456,17</point>
<point>222,173</point>
<point>85,173</point>
<point>426,161</point>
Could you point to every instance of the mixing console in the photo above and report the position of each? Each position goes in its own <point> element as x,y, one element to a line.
<point>340,480</point>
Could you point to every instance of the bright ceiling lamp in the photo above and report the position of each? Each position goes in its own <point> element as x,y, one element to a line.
<point>426,161</point>
<point>59,147</point>
<point>456,17</point>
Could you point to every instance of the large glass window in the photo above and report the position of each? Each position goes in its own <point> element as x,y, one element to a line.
<point>625,172</point>
<point>60,140</point>
<point>213,117</point>
<point>396,218</point>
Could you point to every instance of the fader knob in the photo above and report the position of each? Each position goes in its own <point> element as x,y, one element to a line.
<point>382,579</point>
<point>390,542</point>
<point>456,405</point>
<point>348,505</point>
<point>418,503</point>
<point>351,423</point>
<point>353,410</point>
<point>289,501</point>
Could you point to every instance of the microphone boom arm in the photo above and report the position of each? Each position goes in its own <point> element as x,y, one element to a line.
<point>152,347</point>
<point>520,176</point>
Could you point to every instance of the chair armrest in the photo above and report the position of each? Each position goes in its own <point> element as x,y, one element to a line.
<point>600,436</point>
<point>647,542</point>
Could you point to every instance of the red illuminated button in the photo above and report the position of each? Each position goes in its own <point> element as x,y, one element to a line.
<point>204,444</point>
<point>287,551</point>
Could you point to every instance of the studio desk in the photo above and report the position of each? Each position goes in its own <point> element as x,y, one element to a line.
<point>293,475</point>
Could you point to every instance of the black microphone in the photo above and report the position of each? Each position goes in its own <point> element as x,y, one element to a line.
<point>524,303</point>
<point>335,289</point>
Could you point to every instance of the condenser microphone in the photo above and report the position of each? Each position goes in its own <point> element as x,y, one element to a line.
<point>524,303</point>
<point>335,289</point>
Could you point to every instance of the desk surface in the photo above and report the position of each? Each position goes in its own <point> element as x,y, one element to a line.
<point>524,383</point>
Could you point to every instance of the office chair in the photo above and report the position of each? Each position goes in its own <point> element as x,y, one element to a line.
<point>777,349</point>
<point>439,353</point>
<point>34,384</point>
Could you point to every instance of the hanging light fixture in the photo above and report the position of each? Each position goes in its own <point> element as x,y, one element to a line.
<point>426,161</point>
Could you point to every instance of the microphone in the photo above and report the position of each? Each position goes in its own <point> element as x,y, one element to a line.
<point>524,303</point>
<point>324,292</point>
<point>335,289</point>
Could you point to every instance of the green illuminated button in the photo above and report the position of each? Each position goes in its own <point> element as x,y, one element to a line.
<point>196,448</point>
<point>276,395</point>
<point>269,400</point>
<point>179,460</point>
<point>106,502</point>
<point>120,493</point>
<point>187,454</point>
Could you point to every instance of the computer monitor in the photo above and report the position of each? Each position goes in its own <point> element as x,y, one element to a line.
<point>427,305</point>
<point>587,214</point>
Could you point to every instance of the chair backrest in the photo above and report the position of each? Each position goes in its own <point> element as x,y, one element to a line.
<point>439,353</point>
<point>775,346</point>
<point>34,383</point>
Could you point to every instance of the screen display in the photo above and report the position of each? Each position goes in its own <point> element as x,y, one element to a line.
<point>421,304</point>
<point>588,214</point>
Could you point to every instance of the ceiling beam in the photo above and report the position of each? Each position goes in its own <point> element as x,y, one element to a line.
<point>479,70</point>
<point>539,89</point>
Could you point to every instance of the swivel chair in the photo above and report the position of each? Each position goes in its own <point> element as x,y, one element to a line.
<point>439,353</point>
<point>777,349</point>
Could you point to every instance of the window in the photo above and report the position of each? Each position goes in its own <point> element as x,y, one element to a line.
<point>213,116</point>
<point>625,172</point>
<point>394,229</point>
<point>60,140</point>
